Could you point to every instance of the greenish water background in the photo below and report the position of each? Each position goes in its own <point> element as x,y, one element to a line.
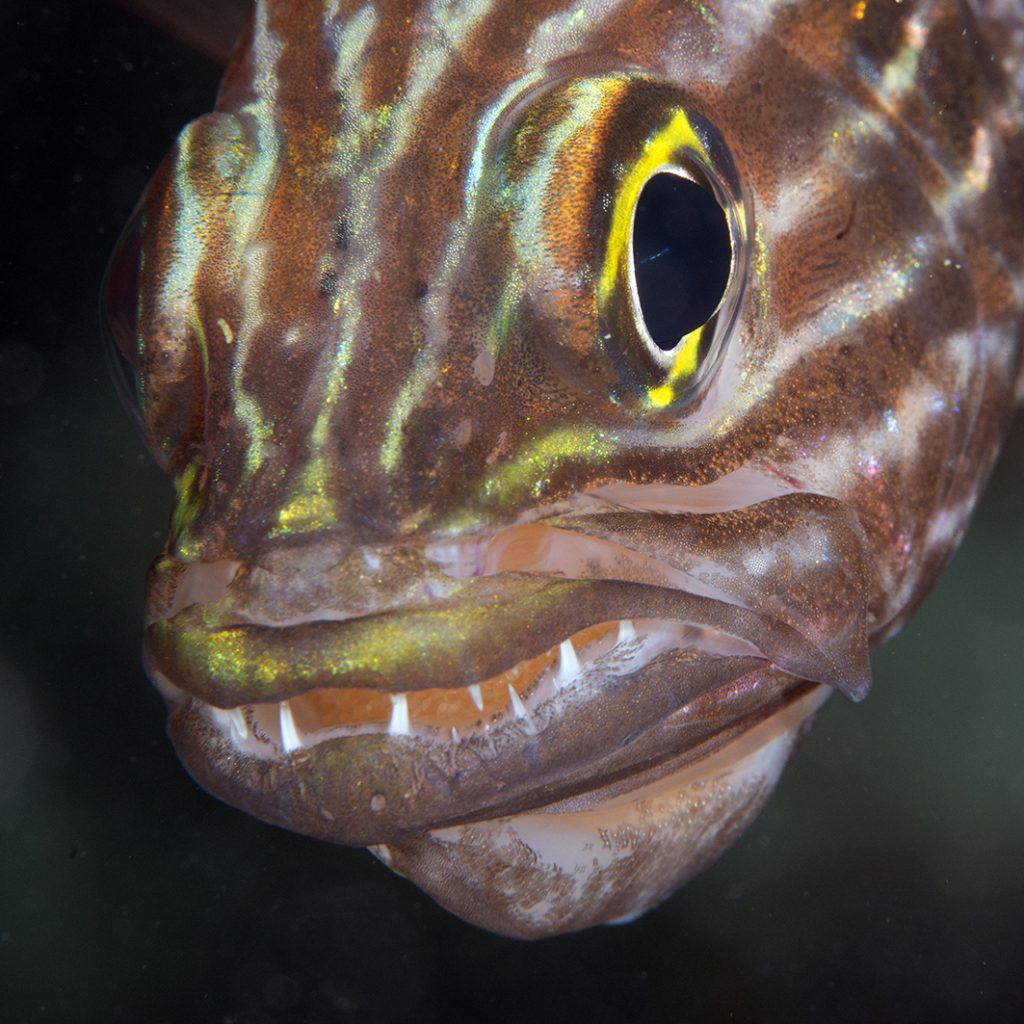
<point>883,882</point>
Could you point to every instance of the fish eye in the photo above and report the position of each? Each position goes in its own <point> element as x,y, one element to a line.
<point>119,299</point>
<point>681,257</point>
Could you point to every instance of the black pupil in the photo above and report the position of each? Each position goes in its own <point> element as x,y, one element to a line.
<point>681,256</point>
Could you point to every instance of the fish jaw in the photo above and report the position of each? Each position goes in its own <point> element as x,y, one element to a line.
<point>601,855</point>
<point>539,680</point>
<point>388,786</point>
<point>611,857</point>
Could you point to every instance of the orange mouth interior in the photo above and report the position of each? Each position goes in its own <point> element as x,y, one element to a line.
<point>460,707</point>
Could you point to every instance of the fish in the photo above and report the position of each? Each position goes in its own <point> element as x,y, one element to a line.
<point>561,400</point>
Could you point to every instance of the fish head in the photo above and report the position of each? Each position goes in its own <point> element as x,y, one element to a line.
<point>556,415</point>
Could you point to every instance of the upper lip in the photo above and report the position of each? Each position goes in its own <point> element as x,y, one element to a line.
<point>438,624</point>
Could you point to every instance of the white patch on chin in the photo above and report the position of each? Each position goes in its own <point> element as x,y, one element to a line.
<point>567,867</point>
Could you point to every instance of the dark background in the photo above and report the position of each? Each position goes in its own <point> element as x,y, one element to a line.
<point>883,883</point>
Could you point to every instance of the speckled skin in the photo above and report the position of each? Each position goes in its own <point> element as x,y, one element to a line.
<point>381,308</point>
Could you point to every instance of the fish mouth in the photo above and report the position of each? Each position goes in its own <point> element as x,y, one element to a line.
<point>405,689</point>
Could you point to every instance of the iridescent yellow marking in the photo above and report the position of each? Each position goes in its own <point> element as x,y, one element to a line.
<point>311,509</point>
<point>663,149</point>
<point>707,15</point>
<point>683,368</point>
<point>409,396</point>
<point>528,472</point>
<point>200,335</point>
<point>186,508</point>
<point>248,407</point>
<point>225,328</point>
<point>254,662</point>
<point>761,271</point>
<point>501,320</point>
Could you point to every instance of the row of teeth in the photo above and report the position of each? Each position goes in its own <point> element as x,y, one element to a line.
<point>565,675</point>
<point>565,671</point>
<point>263,729</point>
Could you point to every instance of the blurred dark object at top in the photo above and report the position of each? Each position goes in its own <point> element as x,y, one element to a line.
<point>210,26</point>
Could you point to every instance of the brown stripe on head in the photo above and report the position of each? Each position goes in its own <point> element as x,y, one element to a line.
<point>389,348</point>
<point>408,343</point>
<point>955,85</point>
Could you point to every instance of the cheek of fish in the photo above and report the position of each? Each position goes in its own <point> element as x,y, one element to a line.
<point>559,405</point>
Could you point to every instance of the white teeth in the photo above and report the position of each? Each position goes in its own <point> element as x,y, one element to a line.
<point>290,738</point>
<point>568,664</point>
<point>520,709</point>
<point>282,728</point>
<point>399,724</point>
<point>231,719</point>
<point>517,705</point>
<point>239,726</point>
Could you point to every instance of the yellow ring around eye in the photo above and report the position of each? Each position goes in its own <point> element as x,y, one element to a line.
<point>661,149</point>
<point>683,368</point>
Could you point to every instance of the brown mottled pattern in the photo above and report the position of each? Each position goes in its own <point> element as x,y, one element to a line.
<point>654,859</point>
